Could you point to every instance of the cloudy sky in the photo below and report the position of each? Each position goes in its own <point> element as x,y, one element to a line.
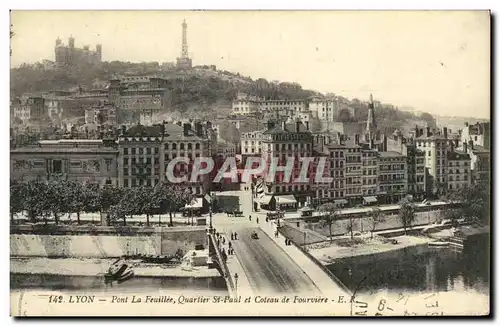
<point>433,61</point>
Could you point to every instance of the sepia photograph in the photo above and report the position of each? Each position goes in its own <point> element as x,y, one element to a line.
<point>250,163</point>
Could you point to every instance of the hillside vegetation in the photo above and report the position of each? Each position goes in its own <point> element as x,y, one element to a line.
<point>198,90</point>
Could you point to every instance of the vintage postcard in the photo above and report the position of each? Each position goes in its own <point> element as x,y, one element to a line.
<point>250,163</point>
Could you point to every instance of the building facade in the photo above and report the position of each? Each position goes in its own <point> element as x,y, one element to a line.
<point>102,114</point>
<point>70,55</point>
<point>459,176</point>
<point>392,177</point>
<point>146,151</point>
<point>81,160</point>
<point>251,143</point>
<point>280,142</point>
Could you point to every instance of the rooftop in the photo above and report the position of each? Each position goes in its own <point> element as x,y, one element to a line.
<point>172,132</point>
<point>390,154</point>
<point>289,128</point>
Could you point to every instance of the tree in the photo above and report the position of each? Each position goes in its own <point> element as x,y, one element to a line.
<point>110,196</point>
<point>345,116</point>
<point>55,200</point>
<point>473,203</point>
<point>330,218</point>
<point>73,197</point>
<point>376,217</point>
<point>406,213</point>
<point>16,199</point>
<point>229,132</point>
<point>33,197</point>
<point>429,119</point>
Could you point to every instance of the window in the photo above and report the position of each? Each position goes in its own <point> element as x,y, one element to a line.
<point>56,166</point>
<point>140,150</point>
<point>133,151</point>
<point>125,151</point>
<point>197,146</point>
<point>125,183</point>
<point>189,146</point>
<point>125,171</point>
<point>174,146</point>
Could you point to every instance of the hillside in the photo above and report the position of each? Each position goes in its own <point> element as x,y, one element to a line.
<point>199,91</point>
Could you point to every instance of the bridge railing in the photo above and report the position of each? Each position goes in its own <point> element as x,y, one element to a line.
<point>319,264</point>
<point>227,274</point>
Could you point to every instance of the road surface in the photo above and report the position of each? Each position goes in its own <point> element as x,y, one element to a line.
<point>268,268</point>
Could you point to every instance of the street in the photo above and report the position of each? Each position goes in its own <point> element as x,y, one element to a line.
<point>267,267</point>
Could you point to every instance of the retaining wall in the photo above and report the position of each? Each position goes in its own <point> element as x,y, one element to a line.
<point>165,242</point>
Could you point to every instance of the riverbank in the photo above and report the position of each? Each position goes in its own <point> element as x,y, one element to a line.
<point>343,247</point>
<point>95,267</point>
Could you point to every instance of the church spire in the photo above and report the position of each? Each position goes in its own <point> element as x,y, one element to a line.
<point>371,124</point>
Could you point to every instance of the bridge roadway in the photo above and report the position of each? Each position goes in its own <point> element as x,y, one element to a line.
<point>267,268</point>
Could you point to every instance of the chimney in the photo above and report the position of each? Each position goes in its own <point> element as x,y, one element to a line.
<point>465,147</point>
<point>372,143</point>
<point>428,131</point>
<point>307,125</point>
<point>124,130</point>
<point>199,129</point>
<point>187,126</point>
<point>283,124</point>
<point>384,143</point>
<point>466,124</point>
<point>209,125</point>
<point>297,126</point>
<point>445,132</point>
<point>452,146</point>
<point>471,144</point>
<point>356,139</point>
<point>163,128</point>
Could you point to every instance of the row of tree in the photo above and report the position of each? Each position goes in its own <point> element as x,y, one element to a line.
<point>41,200</point>
<point>471,205</point>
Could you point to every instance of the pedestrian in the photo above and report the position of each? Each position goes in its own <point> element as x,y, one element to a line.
<point>235,236</point>
<point>276,234</point>
<point>217,234</point>
<point>250,218</point>
<point>257,220</point>
<point>218,242</point>
<point>223,240</point>
<point>230,245</point>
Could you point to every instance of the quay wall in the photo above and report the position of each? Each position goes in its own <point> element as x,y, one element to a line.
<point>165,241</point>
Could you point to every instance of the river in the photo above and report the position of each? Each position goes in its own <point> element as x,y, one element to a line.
<point>416,270</point>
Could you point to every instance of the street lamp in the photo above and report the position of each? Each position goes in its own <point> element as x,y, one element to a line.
<point>210,212</point>
<point>236,283</point>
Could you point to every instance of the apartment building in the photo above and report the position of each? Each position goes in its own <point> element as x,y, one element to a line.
<point>145,152</point>
<point>392,177</point>
<point>283,141</point>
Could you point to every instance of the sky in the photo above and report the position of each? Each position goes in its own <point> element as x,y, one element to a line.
<point>437,61</point>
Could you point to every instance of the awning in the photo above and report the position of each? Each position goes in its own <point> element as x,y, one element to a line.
<point>341,201</point>
<point>196,203</point>
<point>287,199</point>
<point>370,199</point>
<point>265,199</point>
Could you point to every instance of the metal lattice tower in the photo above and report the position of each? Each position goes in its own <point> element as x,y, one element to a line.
<point>371,124</point>
<point>184,53</point>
